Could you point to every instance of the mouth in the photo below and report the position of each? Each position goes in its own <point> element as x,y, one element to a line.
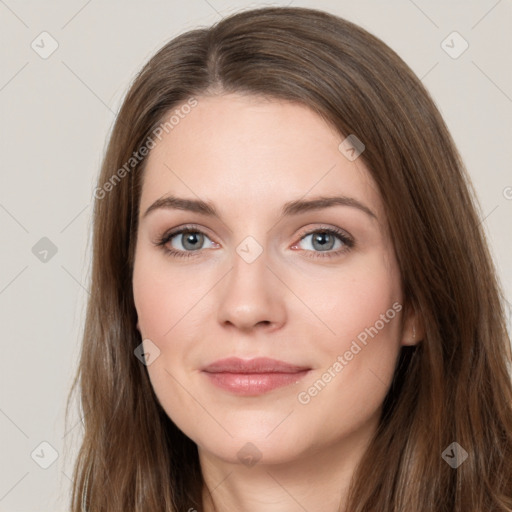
<point>254,376</point>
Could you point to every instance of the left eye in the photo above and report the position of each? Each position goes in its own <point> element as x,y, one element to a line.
<point>322,240</point>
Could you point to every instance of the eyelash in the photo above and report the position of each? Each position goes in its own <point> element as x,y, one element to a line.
<point>348,242</point>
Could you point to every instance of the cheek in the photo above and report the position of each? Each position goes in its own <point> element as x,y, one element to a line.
<point>162,295</point>
<point>162,315</point>
<point>353,301</point>
<point>364,312</point>
<point>171,305</point>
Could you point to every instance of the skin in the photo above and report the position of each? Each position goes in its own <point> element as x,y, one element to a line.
<point>248,156</point>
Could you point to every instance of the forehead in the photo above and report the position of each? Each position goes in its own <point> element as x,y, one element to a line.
<point>249,152</point>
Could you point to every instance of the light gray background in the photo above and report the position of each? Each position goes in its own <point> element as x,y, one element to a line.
<point>55,116</point>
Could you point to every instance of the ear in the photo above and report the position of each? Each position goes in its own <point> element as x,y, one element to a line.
<point>413,328</point>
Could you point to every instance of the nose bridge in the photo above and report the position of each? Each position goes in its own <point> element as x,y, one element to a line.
<point>250,273</point>
<point>250,294</point>
<point>250,250</point>
<point>249,262</point>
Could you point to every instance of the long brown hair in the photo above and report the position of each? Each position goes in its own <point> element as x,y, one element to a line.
<point>454,386</point>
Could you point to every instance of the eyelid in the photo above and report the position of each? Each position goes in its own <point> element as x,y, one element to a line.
<point>169,233</point>
<point>324,227</point>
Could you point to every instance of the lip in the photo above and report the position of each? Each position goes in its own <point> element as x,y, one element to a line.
<point>253,376</point>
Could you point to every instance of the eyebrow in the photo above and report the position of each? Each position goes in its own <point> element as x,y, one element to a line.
<point>295,207</point>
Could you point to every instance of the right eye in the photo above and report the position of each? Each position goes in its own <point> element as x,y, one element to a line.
<point>184,240</point>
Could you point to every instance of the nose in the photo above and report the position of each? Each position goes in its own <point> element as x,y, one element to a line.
<point>251,296</point>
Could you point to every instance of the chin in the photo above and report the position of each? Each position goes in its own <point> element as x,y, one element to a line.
<point>247,452</point>
<point>249,446</point>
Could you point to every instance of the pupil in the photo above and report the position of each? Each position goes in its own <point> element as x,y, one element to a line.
<point>321,238</point>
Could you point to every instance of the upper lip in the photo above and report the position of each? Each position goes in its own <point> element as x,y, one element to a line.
<point>257,365</point>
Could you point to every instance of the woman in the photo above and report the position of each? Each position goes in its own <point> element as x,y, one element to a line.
<point>293,305</point>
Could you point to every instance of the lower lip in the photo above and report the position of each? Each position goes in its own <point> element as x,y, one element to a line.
<point>254,383</point>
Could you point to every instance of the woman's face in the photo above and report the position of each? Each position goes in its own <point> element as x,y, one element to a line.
<point>274,273</point>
